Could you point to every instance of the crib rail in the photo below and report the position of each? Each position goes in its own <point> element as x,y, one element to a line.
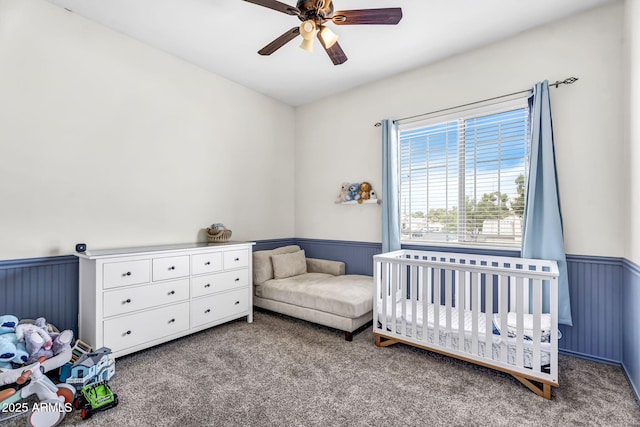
<point>500,312</point>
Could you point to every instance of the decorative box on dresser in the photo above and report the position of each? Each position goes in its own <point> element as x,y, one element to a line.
<point>135,298</point>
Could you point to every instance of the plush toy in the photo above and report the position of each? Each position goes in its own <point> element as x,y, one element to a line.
<point>8,351</point>
<point>36,339</point>
<point>30,341</point>
<point>61,341</point>
<point>9,344</point>
<point>22,355</point>
<point>353,192</point>
<point>21,351</point>
<point>8,324</point>
<point>365,192</point>
<point>344,191</point>
<point>29,329</point>
<point>37,346</point>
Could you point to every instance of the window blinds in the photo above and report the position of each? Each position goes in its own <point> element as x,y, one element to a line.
<point>463,176</point>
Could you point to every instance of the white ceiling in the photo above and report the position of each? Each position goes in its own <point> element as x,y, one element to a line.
<point>223,36</point>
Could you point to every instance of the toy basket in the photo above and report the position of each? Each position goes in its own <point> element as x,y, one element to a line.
<point>218,236</point>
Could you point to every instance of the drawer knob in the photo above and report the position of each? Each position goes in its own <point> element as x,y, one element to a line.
<point>127,301</point>
<point>208,310</point>
<point>208,285</point>
<point>128,333</point>
<point>237,279</point>
<point>172,292</point>
<point>207,263</point>
<point>128,273</point>
<point>237,259</point>
<point>173,267</point>
<point>237,302</point>
<point>172,320</point>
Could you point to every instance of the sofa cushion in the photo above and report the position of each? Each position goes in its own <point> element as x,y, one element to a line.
<point>262,266</point>
<point>348,296</point>
<point>288,265</point>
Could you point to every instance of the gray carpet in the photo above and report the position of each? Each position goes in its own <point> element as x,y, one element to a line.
<point>285,372</point>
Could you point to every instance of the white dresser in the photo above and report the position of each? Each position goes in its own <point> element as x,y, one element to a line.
<point>135,298</point>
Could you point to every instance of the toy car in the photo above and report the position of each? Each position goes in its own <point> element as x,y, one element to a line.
<point>95,397</point>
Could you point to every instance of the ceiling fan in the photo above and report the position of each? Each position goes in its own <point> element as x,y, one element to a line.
<point>314,14</point>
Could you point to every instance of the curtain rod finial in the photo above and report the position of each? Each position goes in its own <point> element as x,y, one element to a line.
<point>566,81</point>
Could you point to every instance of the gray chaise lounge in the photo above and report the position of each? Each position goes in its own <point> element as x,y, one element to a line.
<point>315,290</point>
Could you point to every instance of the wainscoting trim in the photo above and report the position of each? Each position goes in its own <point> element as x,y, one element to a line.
<point>631,325</point>
<point>41,287</point>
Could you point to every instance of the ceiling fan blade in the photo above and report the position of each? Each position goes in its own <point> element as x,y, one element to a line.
<point>335,52</point>
<point>276,5</point>
<point>385,16</point>
<point>280,41</point>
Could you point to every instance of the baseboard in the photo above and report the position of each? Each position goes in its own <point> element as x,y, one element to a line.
<point>590,357</point>
<point>634,389</point>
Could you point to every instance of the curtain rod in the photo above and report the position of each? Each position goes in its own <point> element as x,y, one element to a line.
<point>557,83</point>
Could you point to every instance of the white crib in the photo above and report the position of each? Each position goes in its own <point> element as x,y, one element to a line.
<point>498,312</point>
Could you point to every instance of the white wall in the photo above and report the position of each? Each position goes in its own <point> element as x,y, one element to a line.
<point>632,39</point>
<point>107,141</point>
<point>336,139</point>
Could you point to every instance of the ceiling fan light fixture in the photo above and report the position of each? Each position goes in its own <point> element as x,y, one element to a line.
<point>329,38</point>
<point>315,13</point>
<point>308,33</point>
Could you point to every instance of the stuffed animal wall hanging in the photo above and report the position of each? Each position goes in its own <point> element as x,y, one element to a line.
<point>356,192</point>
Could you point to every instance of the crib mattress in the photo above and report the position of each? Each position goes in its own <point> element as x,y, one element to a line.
<point>452,333</point>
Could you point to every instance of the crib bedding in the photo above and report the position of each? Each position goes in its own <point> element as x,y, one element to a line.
<point>453,332</point>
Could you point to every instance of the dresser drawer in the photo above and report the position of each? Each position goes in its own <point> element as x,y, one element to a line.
<point>236,259</point>
<point>206,263</point>
<point>204,285</point>
<point>128,331</point>
<point>170,267</point>
<point>115,274</point>
<point>219,306</point>
<point>121,301</point>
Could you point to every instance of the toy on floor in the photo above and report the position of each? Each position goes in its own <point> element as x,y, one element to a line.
<point>42,339</point>
<point>12,352</point>
<point>89,374</point>
<point>54,400</point>
<point>90,368</point>
<point>95,397</point>
<point>79,349</point>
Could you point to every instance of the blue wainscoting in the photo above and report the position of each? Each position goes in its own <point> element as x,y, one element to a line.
<point>631,325</point>
<point>596,290</point>
<point>41,287</point>
<point>358,256</point>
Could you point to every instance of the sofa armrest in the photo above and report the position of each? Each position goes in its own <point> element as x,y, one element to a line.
<point>315,265</point>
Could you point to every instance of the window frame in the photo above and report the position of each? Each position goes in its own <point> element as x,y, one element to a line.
<point>461,115</point>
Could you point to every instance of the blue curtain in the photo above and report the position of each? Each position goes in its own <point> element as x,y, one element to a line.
<point>390,202</point>
<point>542,235</point>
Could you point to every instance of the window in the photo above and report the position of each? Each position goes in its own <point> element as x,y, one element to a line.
<point>463,176</point>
